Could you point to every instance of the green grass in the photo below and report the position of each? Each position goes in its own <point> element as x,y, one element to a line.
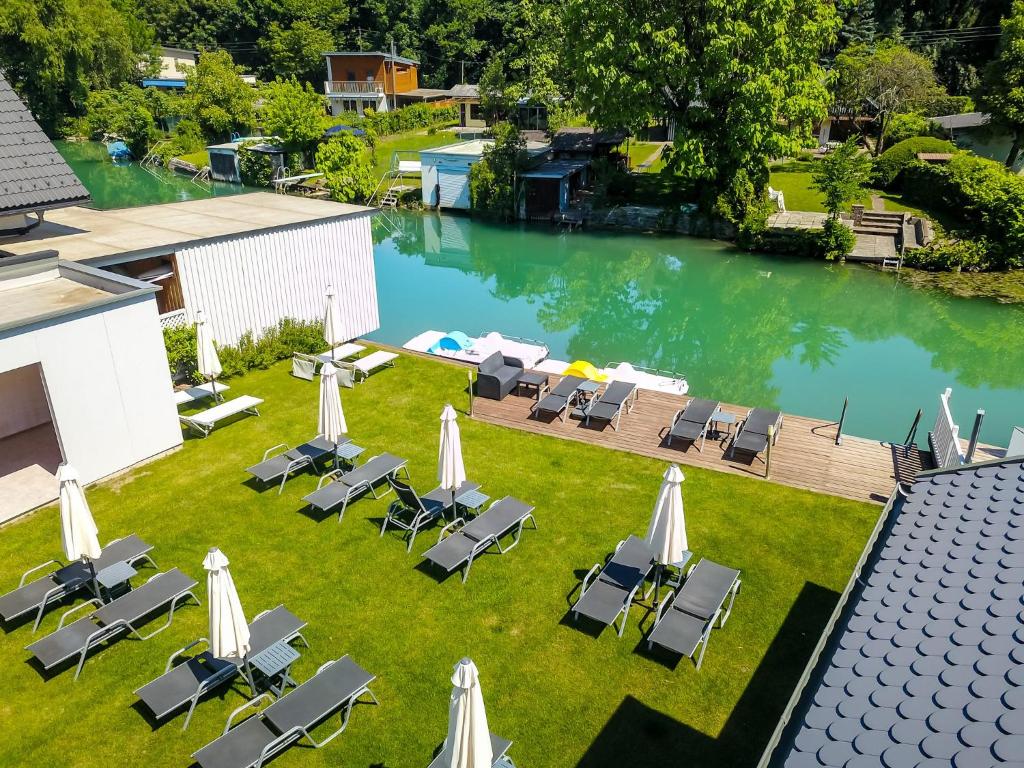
<point>198,159</point>
<point>565,697</point>
<point>640,151</point>
<point>413,140</point>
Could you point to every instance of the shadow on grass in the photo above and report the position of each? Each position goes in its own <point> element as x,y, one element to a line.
<point>639,735</point>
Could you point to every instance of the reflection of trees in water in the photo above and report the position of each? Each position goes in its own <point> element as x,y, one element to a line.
<point>688,305</point>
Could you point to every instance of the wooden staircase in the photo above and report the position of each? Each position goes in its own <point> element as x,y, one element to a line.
<point>906,231</point>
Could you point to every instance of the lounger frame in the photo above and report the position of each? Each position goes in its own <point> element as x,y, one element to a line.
<point>703,432</point>
<point>743,425</point>
<point>627,404</point>
<point>336,475</point>
<point>293,464</point>
<point>206,429</point>
<point>631,595</point>
<point>421,516</point>
<point>482,545</point>
<point>570,400</point>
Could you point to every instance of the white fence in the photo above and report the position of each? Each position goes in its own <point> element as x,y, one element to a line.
<point>944,438</point>
<point>176,319</point>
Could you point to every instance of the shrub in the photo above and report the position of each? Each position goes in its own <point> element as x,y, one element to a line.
<point>404,119</point>
<point>255,168</point>
<point>907,126</point>
<point>181,352</point>
<point>891,163</point>
<point>345,163</point>
<point>746,206</point>
<point>835,241</point>
<point>951,255</point>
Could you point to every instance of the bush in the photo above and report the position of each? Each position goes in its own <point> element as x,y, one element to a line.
<point>255,168</point>
<point>951,255</point>
<point>345,163</point>
<point>181,352</point>
<point>891,163</point>
<point>746,206</point>
<point>404,119</point>
<point>907,126</point>
<point>835,241</point>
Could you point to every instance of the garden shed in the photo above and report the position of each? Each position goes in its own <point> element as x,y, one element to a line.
<point>446,173</point>
<point>225,163</point>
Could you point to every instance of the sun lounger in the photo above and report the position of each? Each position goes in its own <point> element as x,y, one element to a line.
<point>692,423</point>
<point>108,621</point>
<point>615,585</point>
<point>752,434</point>
<point>687,615</point>
<point>608,407</point>
<point>254,741</point>
<point>348,485</point>
<point>279,466</point>
<point>183,684</point>
<point>411,512</point>
<point>200,392</point>
<point>36,595</point>
<point>499,752</point>
<point>558,400</point>
<point>462,546</point>
<point>340,352</point>
<point>205,421</point>
<point>362,367</point>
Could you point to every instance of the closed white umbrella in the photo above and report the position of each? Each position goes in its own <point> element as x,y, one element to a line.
<point>666,534</point>
<point>331,423</point>
<point>207,361</point>
<point>469,739</point>
<point>78,530</point>
<point>451,472</point>
<point>332,322</point>
<point>229,631</point>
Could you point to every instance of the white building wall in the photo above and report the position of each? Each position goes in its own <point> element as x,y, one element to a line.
<point>250,283</point>
<point>108,384</point>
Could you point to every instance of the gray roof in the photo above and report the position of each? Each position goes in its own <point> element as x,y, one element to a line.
<point>386,56</point>
<point>963,120</point>
<point>925,666</point>
<point>585,139</point>
<point>33,175</point>
<point>465,91</point>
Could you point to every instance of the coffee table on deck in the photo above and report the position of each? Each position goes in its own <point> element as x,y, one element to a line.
<point>534,380</point>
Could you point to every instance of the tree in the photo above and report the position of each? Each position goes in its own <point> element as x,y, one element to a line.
<point>297,51</point>
<point>293,113</point>
<point>53,52</point>
<point>740,78</point>
<point>217,97</point>
<point>1002,94</point>
<point>345,163</point>
<point>892,77</point>
<point>859,24</point>
<point>492,179</point>
<point>123,112</point>
<point>841,175</point>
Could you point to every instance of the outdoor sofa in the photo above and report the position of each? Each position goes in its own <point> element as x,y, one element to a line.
<point>458,547</point>
<point>688,613</point>
<point>278,467</point>
<point>609,405</point>
<point>410,512</point>
<point>335,688</point>
<point>344,486</point>
<point>204,421</point>
<point>752,433</point>
<point>497,375</point>
<point>557,401</point>
<point>65,580</point>
<point>184,683</point>
<point>692,422</point>
<point>162,591</point>
<point>615,585</point>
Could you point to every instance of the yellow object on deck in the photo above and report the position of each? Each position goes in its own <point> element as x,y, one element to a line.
<point>585,370</point>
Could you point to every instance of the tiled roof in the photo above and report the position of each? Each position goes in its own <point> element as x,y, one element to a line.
<point>33,175</point>
<point>963,120</point>
<point>926,665</point>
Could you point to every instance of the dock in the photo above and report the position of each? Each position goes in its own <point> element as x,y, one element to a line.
<point>805,455</point>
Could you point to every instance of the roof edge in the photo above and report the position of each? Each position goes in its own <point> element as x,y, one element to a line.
<point>972,465</point>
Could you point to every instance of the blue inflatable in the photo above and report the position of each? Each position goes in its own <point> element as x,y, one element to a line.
<point>453,341</point>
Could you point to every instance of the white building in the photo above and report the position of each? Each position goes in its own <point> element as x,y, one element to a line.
<point>445,170</point>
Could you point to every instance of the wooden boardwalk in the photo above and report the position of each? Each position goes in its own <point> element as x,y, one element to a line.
<point>805,455</point>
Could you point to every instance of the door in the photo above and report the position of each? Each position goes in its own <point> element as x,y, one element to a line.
<point>454,188</point>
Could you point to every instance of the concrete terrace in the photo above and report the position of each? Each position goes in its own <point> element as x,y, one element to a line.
<point>869,247</point>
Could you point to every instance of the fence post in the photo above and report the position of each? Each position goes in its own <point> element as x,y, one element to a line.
<point>975,434</point>
<point>768,454</point>
<point>469,376</point>
<point>842,418</point>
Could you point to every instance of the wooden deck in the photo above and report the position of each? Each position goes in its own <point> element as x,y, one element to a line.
<point>805,455</point>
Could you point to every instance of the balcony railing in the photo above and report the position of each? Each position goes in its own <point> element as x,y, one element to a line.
<point>353,86</point>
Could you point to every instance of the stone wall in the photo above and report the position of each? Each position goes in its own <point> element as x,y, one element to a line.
<point>650,218</point>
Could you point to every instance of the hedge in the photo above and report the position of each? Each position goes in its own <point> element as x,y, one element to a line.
<point>404,119</point>
<point>891,163</point>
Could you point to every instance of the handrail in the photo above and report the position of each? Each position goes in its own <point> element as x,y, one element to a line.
<point>842,419</point>
<point>645,369</point>
<point>945,437</point>
<point>353,86</point>
<point>912,434</point>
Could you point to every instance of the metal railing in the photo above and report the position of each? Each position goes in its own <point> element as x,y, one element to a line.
<point>944,439</point>
<point>842,420</point>
<point>353,86</point>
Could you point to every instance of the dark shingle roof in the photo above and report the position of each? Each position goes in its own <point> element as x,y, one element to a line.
<point>585,139</point>
<point>926,664</point>
<point>963,120</point>
<point>33,175</point>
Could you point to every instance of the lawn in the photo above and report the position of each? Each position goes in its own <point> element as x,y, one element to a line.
<point>640,151</point>
<point>412,140</point>
<point>565,697</point>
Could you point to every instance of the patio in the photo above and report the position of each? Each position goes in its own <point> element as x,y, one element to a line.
<point>563,696</point>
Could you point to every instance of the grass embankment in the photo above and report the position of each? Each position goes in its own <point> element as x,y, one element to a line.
<point>412,140</point>
<point>565,697</point>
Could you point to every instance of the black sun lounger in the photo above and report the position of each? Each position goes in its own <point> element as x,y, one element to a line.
<point>185,683</point>
<point>279,466</point>
<point>499,748</point>
<point>608,407</point>
<point>692,423</point>
<point>687,614</point>
<point>254,741</point>
<point>411,512</point>
<point>68,579</point>
<point>614,589</point>
<point>113,619</point>
<point>505,516</point>
<point>558,400</point>
<point>348,485</point>
<point>752,435</point>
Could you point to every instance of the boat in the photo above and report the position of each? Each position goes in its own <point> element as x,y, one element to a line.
<point>453,345</point>
<point>669,382</point>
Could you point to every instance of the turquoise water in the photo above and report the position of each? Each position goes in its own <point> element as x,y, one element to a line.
<point>748,329</point>
<point>123,186</point>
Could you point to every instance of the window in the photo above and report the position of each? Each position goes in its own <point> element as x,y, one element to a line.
<point>351,76</point>
<point>474,112</point>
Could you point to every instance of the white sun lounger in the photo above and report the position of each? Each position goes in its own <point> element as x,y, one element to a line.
<point>341,352</point>
<point>205,421</point>
<point>364,366</point>
<point>199,392</point>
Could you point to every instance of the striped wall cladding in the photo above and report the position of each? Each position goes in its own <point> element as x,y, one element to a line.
<point>251,282</point>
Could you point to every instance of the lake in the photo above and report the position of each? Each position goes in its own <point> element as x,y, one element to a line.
<point>749,329</point>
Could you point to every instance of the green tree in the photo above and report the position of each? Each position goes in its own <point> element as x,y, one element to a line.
<point>293,112</point>
<point>53,52</point>
<point>740,78</point>
<point>345,163</point>
<point>124,112</point>
<point>217,98</point>
<point>492,180</point>
<point>841,175</point>
<point>297,51</point>
<point>892,77</point>
<point>1002,94</point>
<point>859,24</point>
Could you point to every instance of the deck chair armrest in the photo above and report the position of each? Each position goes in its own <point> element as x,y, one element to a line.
<point>333,475</point>
<point>266,453</point>
<point>595,569</point>
<point>181,651</point>
<point>664,604</point>
<point>92,602</point>
<point>676,417</point>
<point>253,703</point>
<point>39,567</point>
<point>452,524</point>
